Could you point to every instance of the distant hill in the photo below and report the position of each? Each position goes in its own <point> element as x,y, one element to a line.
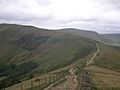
<point>114,37</point>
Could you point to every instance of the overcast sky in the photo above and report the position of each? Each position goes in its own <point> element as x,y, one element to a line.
<point>102,16</point>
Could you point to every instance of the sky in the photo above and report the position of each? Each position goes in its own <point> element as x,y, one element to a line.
<point>102,16</point>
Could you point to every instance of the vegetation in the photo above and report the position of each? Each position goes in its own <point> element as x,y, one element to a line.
<point>26,50</point>
<point>51,79</point>
<point>108,57</point>
<point>104,79</point>
<point>39,51</point>
<point>15,73</point>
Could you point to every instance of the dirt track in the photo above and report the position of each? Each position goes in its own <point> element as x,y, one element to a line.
<point>86,83</point>
<point>91,60</point>
<point>70,84</point>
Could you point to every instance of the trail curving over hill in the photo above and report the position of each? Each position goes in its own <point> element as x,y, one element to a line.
<point>86,83</point>
<point>94,55</point>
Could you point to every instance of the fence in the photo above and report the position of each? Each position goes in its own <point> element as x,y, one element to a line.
<point>38,83</point>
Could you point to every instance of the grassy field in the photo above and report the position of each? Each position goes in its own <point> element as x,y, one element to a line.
<point>104,79</point>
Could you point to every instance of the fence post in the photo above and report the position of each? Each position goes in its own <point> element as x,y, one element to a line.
<point>39,82</point>
<point>55,77</point>
<point>50,79</point>
<point>45,80</point>
<point>31,84</point>
<point>21,86</point>
<point>59,75</point>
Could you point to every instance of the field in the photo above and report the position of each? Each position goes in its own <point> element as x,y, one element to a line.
<point>104,79</point>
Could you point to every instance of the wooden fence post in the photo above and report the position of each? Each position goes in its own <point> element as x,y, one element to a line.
<point>59,75</point>
<point>39,82</point>
<point>31,84</point>
<point>21,86</point>
<point>45,80</point>
<point>53,77</point>
<point>50,79</point>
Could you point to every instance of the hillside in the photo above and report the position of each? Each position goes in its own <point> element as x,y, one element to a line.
<point>27,50</point>
<point>105,68</point>
<point>87,34</point>
<point>108,58</point>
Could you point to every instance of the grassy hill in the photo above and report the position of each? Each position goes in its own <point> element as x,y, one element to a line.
<point>27,50</point>
<point>105,70</point>
<point>87,34</point>
<point>108,57</point>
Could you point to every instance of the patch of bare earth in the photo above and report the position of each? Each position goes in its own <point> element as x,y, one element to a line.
<point>70,84</point>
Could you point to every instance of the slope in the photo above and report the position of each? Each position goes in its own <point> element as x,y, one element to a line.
<point>108,57</point>
<point>87,34</point>
<point>26,51</point>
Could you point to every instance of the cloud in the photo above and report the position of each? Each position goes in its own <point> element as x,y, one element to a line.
<point>98,15</point>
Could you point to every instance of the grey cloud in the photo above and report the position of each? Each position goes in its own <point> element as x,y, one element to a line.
<point>43,2</point>
<point>18,11</point>
<point>22,12</point>
<point>109,4</point>
<point>19,18</point>
<point>114,3</point>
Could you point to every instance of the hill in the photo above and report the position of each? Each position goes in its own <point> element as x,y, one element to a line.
<point>26,51</point>
<point>87,34</point>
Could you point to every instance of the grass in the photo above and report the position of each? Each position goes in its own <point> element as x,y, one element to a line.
<point>54,50</point>
<point>14,73</point>
<point>104,79</point>
<point>27,83</point>
<point>108,57</point>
